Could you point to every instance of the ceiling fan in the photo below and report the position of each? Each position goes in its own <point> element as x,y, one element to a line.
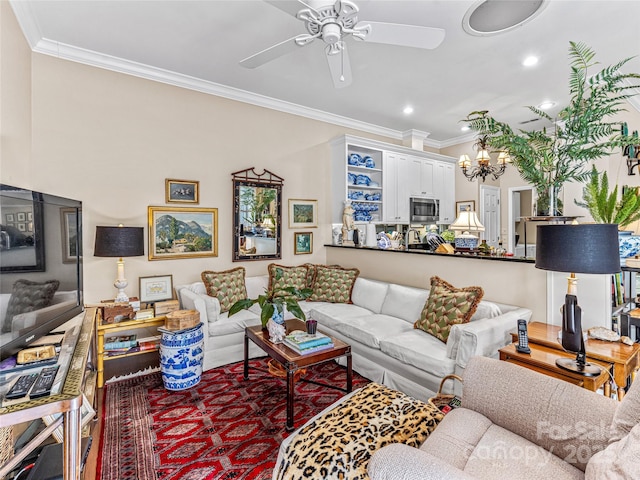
<point>333,24</point>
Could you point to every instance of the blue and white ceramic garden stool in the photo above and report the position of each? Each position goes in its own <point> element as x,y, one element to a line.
<point>181,356</point>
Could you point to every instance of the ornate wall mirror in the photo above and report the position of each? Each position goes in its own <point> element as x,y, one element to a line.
<point>257,218</point>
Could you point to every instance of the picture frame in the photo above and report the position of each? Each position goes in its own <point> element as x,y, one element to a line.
<point>197,237</point>
<point>182,191</point>
<point>465,206</point>
<point>69,223</point>
<point>10,217</point>
<point>21,216</point>
<point>302,243</point>
<point>157,288</point>
<point>303,213</point>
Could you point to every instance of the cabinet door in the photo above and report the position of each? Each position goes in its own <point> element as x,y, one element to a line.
<point>406,179</point>
<point>447,198</point>
<point>427,173</point>
<point>390,188</point>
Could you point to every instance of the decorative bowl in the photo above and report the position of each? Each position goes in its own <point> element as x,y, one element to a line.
<point>369,162</point>
<point>355,159</point>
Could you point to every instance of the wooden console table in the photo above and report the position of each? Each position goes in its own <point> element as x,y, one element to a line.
<point>624,358</point>
<point>67,402</point>
<point>542,359</point>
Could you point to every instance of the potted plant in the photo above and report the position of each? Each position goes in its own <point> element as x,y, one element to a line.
<point>274,301</point>
<point>581,132</point>
<point>603,205</point>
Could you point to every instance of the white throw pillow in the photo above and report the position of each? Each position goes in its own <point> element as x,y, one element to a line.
<point>404,302</point>
<point>486,310</point>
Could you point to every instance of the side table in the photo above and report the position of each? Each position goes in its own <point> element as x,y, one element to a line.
<point>624,358</point>
<point>543,360</point>
<point>110,329</point>
<point>181,356</point>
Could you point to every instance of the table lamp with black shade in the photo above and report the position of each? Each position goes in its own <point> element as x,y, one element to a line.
<point>586,248</point>
<point>119,242</point>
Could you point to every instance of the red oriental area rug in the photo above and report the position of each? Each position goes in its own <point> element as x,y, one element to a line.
<point>223,428</point>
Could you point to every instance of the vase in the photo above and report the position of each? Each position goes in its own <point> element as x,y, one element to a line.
<point>276,327</point>
<point>629,245</point>
<point>548,203</point>
<point>181,356</point>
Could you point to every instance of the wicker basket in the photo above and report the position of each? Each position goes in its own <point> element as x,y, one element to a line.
<point>442,399</point>
<point>181,319</point>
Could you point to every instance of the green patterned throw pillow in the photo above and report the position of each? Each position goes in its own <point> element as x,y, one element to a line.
<point>228,286</point>
<point>288,276</point>
<point>447,306</point>
<point>333,284</point>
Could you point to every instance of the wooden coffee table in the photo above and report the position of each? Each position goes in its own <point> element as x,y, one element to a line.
<point>292,361</point>
<point>625,358</point>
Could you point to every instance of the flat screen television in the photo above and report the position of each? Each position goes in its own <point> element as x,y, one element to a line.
<point>40,265</point>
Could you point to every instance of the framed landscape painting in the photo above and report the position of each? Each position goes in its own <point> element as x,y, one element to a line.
<point>182,232</point>
<point>465,206</point>
<point>303,213</point>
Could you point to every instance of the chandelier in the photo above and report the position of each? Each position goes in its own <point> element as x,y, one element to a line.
<point>483,168</point>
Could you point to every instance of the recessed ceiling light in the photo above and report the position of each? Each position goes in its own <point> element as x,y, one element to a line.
<point>408,110</point>
<point>465,128</point>
<point>546,105</point>
<point>530,61</point>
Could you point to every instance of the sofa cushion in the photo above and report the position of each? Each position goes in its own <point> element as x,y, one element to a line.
<point>486,310</point>
<point>235,324</point>
<point>333,314</point>
<point>447,306</point>
<point>311,274</point>
<point>333,284</point>
<point>288,276</point>
<point>619,461</point>
<point>422,351</point>
<point>627,414</point>
<point>371,329</point>
<point>27,296</point>
<point>404,302</point>
<point>369,294</point>
<point>227,286</point>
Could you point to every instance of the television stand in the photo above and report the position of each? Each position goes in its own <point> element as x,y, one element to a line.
<point>67,402</point>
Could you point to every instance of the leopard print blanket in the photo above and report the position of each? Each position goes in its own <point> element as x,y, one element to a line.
<point>340,443</point>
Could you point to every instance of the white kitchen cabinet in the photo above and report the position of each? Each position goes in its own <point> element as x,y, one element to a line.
<point>398,173</point>
<point>444,190</point>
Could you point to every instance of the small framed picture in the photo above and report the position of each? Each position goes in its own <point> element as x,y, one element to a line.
<point>303,243</point>
<point>465,206</point>
<point>303,213</point>
<point>156,289</point>
<point>21,217</point>
<point>10,217</point>
<point>182,191</point>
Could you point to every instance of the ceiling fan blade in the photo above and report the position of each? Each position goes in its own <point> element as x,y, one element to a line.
<point>404,35</point>
<point>340,67</point>
<point>290,7</point>
<point>270,53</point>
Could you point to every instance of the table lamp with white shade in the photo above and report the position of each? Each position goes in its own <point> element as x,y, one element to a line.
<point>467,222</point>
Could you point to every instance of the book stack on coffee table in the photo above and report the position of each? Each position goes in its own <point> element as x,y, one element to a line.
<point>305,343</point>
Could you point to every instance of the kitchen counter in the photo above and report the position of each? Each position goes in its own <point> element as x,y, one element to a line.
<point>447,255</point>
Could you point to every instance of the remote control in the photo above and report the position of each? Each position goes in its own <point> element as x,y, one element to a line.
<point>21,387</point>
<point>44,382</point>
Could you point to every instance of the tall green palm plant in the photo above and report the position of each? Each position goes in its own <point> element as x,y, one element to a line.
<point>581,132</point>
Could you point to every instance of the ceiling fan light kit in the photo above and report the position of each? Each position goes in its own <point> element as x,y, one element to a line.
<point>336,22</point>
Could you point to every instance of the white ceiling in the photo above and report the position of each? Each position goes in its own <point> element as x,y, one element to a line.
<point>198,44</point>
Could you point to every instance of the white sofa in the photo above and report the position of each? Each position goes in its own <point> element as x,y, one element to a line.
<point>379,327</point>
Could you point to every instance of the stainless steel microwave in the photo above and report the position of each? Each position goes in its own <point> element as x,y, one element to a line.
<point>424,210</point>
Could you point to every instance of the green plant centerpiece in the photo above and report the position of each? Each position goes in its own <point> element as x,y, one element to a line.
<point>581,132</point>
<point>274,301</point>
<point>603,204</point>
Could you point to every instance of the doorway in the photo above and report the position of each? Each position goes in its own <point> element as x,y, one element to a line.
<point>490,214</point>
<point>520,204</point>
